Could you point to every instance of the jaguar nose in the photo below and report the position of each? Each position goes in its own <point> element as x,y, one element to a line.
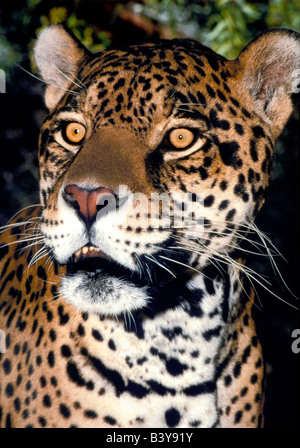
<point>88,202</point>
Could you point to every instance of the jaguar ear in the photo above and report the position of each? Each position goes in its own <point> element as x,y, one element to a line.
<point>58,56</point>
<point>268,69</point>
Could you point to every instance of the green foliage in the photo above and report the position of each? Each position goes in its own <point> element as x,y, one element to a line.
<point>9,54</point>
<point>28,18</point>
<point>229,26</point>
<point>91,38</point>
<point>178,18</point>
<point>181,17</point>
<point>284,14</point>
<point>224,25</point>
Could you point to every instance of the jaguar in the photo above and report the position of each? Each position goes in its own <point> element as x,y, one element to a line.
<point>126,299</point>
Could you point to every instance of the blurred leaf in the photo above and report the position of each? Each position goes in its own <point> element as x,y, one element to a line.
<point>58,15</point>
<point>284,14</point>
<point>9,55</point>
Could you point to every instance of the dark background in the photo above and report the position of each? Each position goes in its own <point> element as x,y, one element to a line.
<point>226,26</point>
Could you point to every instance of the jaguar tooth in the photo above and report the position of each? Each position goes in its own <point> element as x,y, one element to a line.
<point>78,253</point>
<point>87,250</point>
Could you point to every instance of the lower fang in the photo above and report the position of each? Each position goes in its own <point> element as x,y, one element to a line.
<point>77,254</point>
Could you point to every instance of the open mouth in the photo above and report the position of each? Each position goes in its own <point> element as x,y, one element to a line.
<point>94,263</point>
<point>88,259</point>
<point>97,282</point>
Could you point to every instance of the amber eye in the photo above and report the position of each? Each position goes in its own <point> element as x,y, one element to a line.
<point>181,138</point>
<point>74,132</point>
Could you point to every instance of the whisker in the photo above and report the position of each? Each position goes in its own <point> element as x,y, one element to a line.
<point>25,240</point>
<point>75,315</point>
<point>139,265</point>
<point>44,82</point>
<point>263,247</point>
<point>54,299</point>
<point>25,208</point>
<point>182,264</point>
<point>250,274</point>
<point>16,224</point>
<point>276,270</point>
<point>128,315</point>
<point>69,79</point>
<point>149,273</point>
<point>151,258</point>
<point>42,252</point>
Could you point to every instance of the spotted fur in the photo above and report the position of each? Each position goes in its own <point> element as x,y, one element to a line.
<point>114,319</point>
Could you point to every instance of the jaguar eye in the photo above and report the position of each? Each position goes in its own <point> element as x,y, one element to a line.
<point>181,138</point>
<point>74,132</point>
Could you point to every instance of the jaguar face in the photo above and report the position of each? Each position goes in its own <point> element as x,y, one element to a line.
<point>153,161</point>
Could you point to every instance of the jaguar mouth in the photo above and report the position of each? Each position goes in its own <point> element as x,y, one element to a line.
<point>92,262</point>
<point>96,265</point>
<point>88,259</point>
<point>93,276</point>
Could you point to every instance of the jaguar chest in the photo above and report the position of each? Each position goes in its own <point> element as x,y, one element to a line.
<point>144,371</point>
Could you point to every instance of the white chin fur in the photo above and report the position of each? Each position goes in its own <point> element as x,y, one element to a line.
<point>104,296</point>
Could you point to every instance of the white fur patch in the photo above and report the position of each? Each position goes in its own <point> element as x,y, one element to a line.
<point>102,294</point>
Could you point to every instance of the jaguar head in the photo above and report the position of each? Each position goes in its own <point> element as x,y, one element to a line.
<point>154,159</point>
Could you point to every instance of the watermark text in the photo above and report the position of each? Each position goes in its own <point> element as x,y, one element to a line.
<point>2,341</point>
<point>296,343</point>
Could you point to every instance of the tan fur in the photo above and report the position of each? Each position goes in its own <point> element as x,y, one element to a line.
<point>241,385</point>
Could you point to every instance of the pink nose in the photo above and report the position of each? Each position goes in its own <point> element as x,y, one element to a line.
<point>86,202</point>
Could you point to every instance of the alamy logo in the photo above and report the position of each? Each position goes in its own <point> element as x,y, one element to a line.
<point>2,81</point>
<point>296,82</point>
<point>2,341</point>
<point>181,210</point>
<point>296,342</point>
